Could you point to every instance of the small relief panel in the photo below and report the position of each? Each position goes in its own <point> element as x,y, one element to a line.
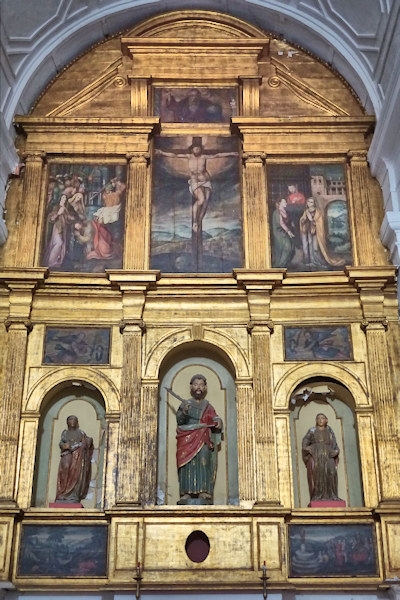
<point>77,346</point>
<point>84,217</point>
<point>317,343</point>
<point>309,223</point>
<point>63,551</point>
<point>195,105</point>
<point>196,211</point>
<point>333,550</point>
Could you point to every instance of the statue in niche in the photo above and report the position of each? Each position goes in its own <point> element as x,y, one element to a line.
<point>321,456</point>
<point>198,437</point>
<point>74,470</point>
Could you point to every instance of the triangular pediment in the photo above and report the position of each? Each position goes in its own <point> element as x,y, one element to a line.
<point>203,49</point>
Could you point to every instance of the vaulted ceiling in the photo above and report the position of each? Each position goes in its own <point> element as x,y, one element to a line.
<point>359,39</point>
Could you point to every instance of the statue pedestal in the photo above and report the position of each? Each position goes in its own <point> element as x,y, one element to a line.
<point>195,501</point>
<point>65,505</point>
<point>327,504</point>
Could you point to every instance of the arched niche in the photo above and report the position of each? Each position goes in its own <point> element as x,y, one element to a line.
<point>176,372</point>
<point>314,396</point>
<point>70,398</point>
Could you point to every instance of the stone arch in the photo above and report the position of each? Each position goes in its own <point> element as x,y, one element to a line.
<point>63,376</point>
<point>348,375</point>
<point>228,348</point>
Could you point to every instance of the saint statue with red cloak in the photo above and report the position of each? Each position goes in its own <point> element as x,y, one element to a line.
<point>198,436</point>
<point>74,470</point>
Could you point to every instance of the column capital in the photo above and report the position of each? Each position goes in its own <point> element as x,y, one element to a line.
<point>132,325</point>
<point>377,324</point>
<point>142,158</point>
<point>18,323</point>
<point>39,156</point>
<point>254,157</point>
<point>357,156</point>
<point>260,325</point>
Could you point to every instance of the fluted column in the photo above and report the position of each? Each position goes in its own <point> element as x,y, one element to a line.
<point>111,456</point>
<point>371,284</point>
<point>384,409</point>
<point>149,414</point>
<point>139,96</point>
<point>259,287</point>
<point>133,285</point>
<point>137,213</point>
<point>266,455</point>
<point>128,490</point>
<point>256,229</point>
<point>21,286</point>
<point>246,441</point>
<point>368,248</point>
<point>251,96</point>
<point>28,216</point>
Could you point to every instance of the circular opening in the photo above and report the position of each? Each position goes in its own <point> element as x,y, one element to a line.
<point>197,546</point>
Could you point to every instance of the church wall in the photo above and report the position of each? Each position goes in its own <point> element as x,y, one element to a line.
<point>95,297</point>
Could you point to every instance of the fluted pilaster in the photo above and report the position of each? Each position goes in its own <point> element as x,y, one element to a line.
<point>259,286</point>
<point>21,285</point>
<point>133,286</point>
<point>129,459</point>
<point>366,246</point>
<point>251,96</point>
<point>139,96</point>
<point>149,415</point>
<point>267,475</point>
<point>246,441</point>
<point>384,409</point>
<point>254,197</point>
<point>371,284</point>
<point>28,217</point>
<point>137,210</point>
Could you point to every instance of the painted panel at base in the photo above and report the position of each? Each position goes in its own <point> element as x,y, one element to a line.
<point>63,551</point>
<point>332,551</point>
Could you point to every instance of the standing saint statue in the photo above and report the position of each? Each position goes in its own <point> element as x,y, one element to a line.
<point>321,456</point>
<point>198,436</point>
<point>74,470</point>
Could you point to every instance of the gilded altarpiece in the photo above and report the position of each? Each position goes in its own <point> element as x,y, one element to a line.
<point>109,230</point>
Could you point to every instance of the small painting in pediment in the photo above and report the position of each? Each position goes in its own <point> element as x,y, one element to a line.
<point>195,105</point>
<point>84,222</point>
<point>309,222</point>
<point>196,209</point>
